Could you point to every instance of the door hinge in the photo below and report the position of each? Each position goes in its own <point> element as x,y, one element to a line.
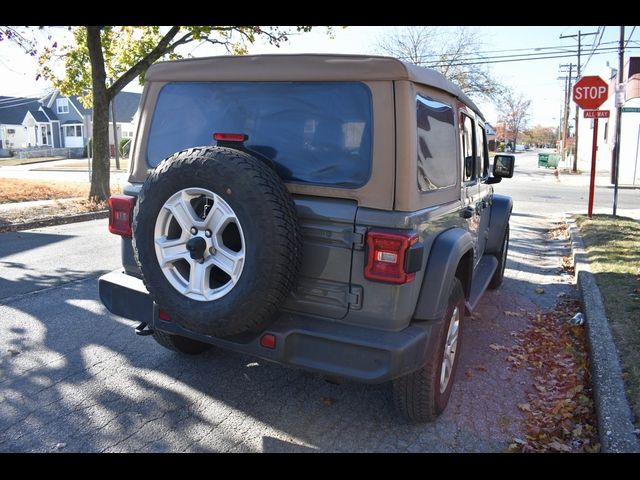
<point>358,237</point>
<point>354,298</point>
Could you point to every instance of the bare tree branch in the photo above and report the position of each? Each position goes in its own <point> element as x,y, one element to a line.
<point>514,113</point>
<point>435,48</point>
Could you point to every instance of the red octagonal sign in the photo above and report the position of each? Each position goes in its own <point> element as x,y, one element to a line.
<point>590,92</point>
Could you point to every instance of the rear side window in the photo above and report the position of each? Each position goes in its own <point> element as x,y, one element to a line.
<point>468,148</point>
<point>319,133</point>
<point>436,144</point>
<point>483,153</point>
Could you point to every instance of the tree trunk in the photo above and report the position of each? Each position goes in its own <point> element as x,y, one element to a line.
<point>100,189</point>
<point>115,131</point>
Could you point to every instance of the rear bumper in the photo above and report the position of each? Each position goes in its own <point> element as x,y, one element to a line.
<point>319,345</point>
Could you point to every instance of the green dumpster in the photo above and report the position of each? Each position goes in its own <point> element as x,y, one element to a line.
<point>543,160</point>
<point>553,161</point>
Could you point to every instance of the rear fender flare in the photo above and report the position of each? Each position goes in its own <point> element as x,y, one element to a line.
<point>447,251</point>
<point>500,213</point>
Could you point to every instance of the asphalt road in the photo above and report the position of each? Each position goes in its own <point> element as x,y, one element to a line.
<point>532,188</point>
<point>75,378</point>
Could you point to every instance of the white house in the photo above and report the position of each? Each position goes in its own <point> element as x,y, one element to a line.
<point>57,121</point>
<point>629,169</point>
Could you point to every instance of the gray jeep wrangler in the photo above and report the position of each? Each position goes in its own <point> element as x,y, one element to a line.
<point>328,212</point>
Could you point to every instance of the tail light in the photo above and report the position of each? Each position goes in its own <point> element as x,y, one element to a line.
<point>121,214</point>
<point>230,137</point>
<point>392,257</point>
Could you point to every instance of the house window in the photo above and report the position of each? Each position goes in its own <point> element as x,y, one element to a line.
<point>62,105</point>
<point>73,131</point>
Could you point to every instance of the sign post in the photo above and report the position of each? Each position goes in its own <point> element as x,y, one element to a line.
<point>589,93</point>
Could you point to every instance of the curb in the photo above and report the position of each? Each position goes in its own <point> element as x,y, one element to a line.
<point>47,222</point>
<point>615,429</point>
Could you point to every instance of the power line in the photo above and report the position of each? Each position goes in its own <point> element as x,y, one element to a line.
<point>595,45</point>
<point>631,35</point>
<point>487,61</point>
<point>521,57</point>
<point>532,52</point>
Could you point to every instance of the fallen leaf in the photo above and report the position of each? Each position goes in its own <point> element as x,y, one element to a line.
<point>328,401</point>
<point>539,290</point>
<point>60,446</point>
<point>525,407</point>
<point>468,374</point>
<point>497,347</point>
<point>512,314</point>
<point>560,446</point>
<point>540,388</point>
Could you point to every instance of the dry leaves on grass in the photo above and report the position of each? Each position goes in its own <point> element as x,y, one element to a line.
<point>59,208</point>
<point>559,411</point>
<point>18,190</point>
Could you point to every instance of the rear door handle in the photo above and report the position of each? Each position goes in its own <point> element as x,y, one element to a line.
<point>467,212</point>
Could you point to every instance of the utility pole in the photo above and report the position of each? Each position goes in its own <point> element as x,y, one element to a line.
<point>579,36</point>
<point>563,109</point>
<point>618,119</point>
<point>567,107</point>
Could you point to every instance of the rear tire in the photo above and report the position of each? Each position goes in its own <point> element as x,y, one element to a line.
<point>422,395</point>
<point>498,275</point>
<point>180,344</point>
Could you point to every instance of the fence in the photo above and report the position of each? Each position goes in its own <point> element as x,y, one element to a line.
<point>49,152</point>
<point>42,152</point>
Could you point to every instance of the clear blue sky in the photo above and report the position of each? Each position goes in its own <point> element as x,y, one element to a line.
<point>536,79</point>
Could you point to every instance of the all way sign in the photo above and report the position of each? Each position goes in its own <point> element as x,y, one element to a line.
<point>596,113</point>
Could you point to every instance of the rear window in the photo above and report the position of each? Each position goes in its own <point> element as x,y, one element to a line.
<point>319,133</point>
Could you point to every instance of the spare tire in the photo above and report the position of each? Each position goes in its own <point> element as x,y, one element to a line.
<point>216,236</point>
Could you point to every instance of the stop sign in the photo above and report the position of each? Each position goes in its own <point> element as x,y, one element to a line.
<point>590,92</point>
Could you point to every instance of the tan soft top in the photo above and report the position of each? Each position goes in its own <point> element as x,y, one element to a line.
<point>303,67</point>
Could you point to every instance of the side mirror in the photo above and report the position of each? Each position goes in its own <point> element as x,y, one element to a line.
<point>503,166</point>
